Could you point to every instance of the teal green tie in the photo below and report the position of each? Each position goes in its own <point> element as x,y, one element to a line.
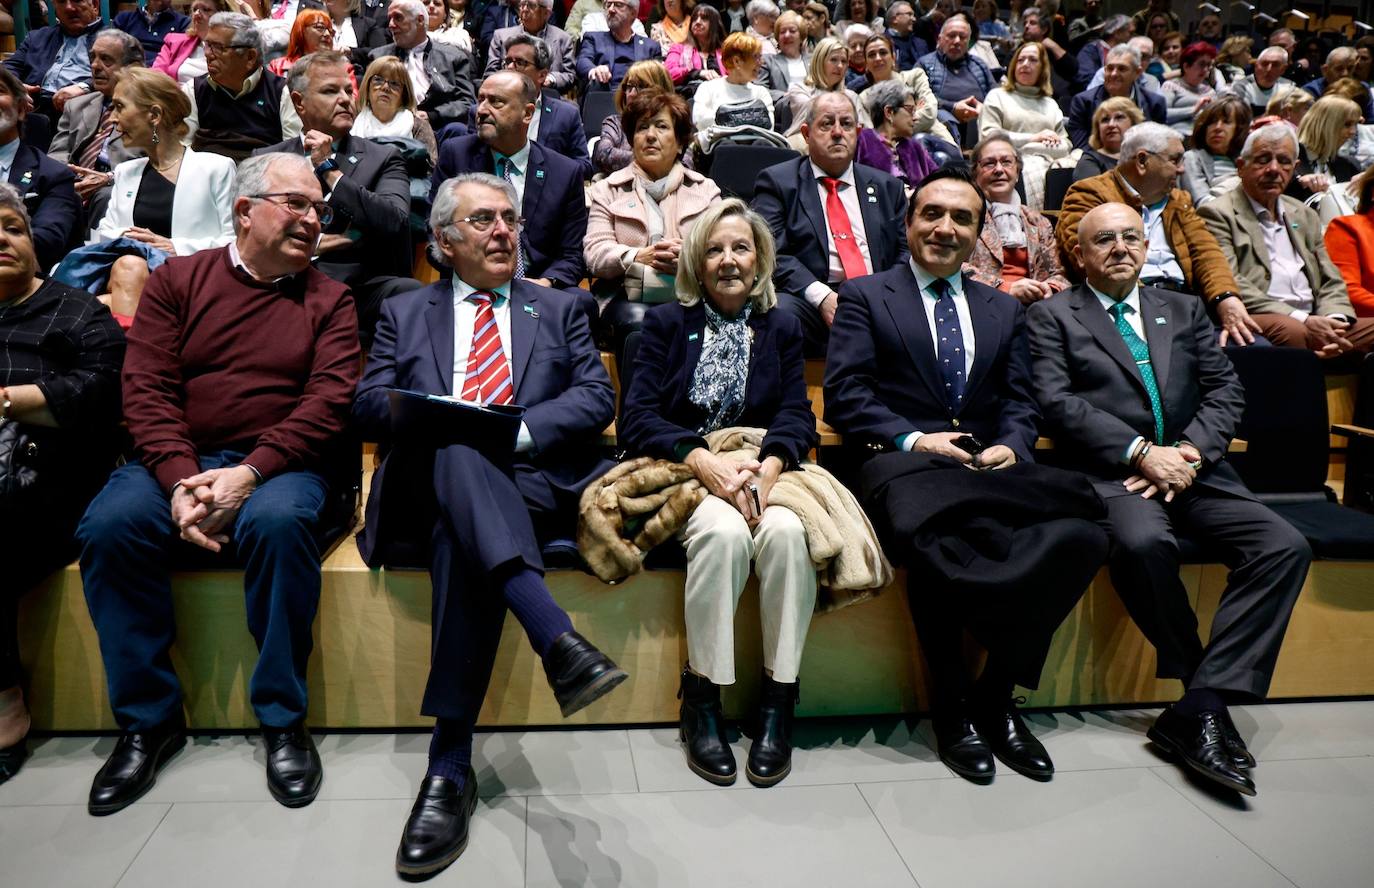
<point>1141,353</point>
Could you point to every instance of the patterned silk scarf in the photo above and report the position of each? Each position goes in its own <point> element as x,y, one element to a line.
<point>723,371</point>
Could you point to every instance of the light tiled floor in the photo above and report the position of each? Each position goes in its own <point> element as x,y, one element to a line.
<point>868,805</point>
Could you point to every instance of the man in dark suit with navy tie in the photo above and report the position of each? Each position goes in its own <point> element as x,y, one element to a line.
<point>556,125</point>
<point>833,219</point>
<point>1138,394</point>
<point>485,337</point>
<point>932,368</point>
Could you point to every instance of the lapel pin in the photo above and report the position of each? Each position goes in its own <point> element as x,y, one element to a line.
<point>539,174</point>
<point>260,103</point>
<point>872,199</point>
<point>1160,321</point>
<point>870,189</point>
<point>529,310</point>
<point>352,158</point>
<point>26,178</point>
<point>692,337</point>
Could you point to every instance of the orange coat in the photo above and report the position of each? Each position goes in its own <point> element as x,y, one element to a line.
<point>1350,244</point>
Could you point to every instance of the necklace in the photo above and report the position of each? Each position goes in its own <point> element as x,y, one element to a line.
<point>163,169</point>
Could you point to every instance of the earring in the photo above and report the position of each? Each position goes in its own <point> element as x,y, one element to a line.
<point>155,138</point>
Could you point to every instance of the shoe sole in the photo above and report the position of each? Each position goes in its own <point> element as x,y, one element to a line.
<point>765,782</point>
<point>1158,739</point>
<point>600,687</point>
<point>411,871</point>
<point>708,776</point>
<point>158,765</point>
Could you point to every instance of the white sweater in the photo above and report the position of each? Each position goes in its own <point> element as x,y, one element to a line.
<point>714,93</point>
<point>1021,116</point>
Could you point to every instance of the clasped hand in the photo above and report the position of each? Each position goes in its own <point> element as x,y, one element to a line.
<point>205,505</point>
<point>998,456</point>
<point>731,480</point>
<point>1165,470</point>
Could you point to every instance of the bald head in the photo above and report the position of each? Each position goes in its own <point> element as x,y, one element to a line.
<point>1111,248</point>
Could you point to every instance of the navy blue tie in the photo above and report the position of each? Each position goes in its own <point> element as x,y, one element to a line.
<point>949,344</point>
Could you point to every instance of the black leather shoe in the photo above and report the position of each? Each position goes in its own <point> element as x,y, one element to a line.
<point>1012,742</point>
<point>131,770</point>
<point>294,771</point>
<point>1240,754</point>
<point>436,832</point>
<point>702,731</point>
<point>12,758</point>
<point>579,673</point>
<point>770,757</point>
<point>1197,741</point>
<point>962,750</point>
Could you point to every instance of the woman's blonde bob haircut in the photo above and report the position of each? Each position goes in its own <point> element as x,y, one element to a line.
<point>1114,105</point>
<point>816,70</point>
<point>1320,130</point>
<point>150,89</point>
<point>693,257</point>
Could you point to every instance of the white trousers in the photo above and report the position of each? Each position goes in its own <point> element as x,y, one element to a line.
<point>720,545</point>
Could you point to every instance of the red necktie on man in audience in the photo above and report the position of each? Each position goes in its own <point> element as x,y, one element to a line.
<point>851,258</point>
<point>488,378</point>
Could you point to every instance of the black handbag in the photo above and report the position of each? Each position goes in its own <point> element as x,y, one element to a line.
<point>20,460</point>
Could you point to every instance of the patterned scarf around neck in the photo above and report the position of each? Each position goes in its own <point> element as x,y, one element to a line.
<point>722,373</point>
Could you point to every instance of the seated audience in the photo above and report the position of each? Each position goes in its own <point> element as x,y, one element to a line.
<point>748,372</point>
<point>605,56</point>
<point>441,26</point>
<point>1181,254</point>
<point>1350,244</point>
<point>697,59</point>
<point>1111,120</point>
<point>1340,63</point>
<point>960,81</point>
<point>183,54</point>
<point>856,38</point>
<point>734,98</point>
<point>60,356</point>
<point>858,12</point>
<point>735,17</point>
<point>1266,83</point>
<point>1291,107</point>
<point>557,125</point>
<point>816,19</point>
<point>237,383</point>
<point>1016,251</point>
<point>356,33</point>
<point>824,74</point>
<point>613,149</point>
<point>1155,447</point>
<point>238,106</point>
<point>387,107</point>
<point>890,144</point>
<point>534,23</point>
<point>589,17</point>
<point>483,515</point>
<point>151,24</point>
<point>638,216</point>
<point>763,14</point>
<point>1298,70</point>
<point>497,15</point>
<point>53,61</point>
<point>1233,59</point>
<point>1037,28</point>
<point>548,185</point>
<point>788,65</point>
<point>1025,111</point>
<point>87,139</point>
<point>1292,290</point>
<point>1331,122</point>
<point>833,220</point>
<point>440,74</point>
<point>670,22</point>
<point>881,394</point>
<point>1146,81</point>
<point>900,19</point>
<point>1167,58</point>
<point>311,31</point>
<point>1119,79</point>
<point>1219,131</point>
<point>1192,90</point>
<point>880,67</point>
<point>46,186</point>
<point>367,244</point>
<point>1092,55</point>
<point>990,27</point>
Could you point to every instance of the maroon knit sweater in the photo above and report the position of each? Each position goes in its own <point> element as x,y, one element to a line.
<point>219,361</point>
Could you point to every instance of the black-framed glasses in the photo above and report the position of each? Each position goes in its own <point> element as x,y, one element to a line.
<point>217,48</point>
<point>483,220</point>
<point>299,205</point>
<point>383,83</point>
<point>517,62</point>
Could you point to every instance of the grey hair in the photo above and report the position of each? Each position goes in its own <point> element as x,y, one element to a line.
<point>810,116</point>
<point>1341,52</point>
<point>1125,49</point>
<point>543,59</point>
<point>892,10</point>
<point>1141,40</point>
<point>1148,136</point>
<point>547,4</point>
<point>133,50</point>
<point>1270,132</point>
<point>693,255</point>
<point>11,199</point>
<point>246,34</point>
<point>1115,23</point>
<point>446,200</point>
<point>414,8</point>
<point>251,178</point>
<point>857,28</point>
<point>761,7</point>
<point>1272,50</point>
<point>886,94</point>
<point>298,78</point>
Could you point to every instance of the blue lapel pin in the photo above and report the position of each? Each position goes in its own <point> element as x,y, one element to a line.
<point>1160,321</point>
<point>529,310</point>
<point>26,178</point>
<point>692,337</point>
<point>539,174</point>
<point>261,103</point>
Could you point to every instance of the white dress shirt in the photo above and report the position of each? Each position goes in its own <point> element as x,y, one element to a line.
<point>1287,280</point>
<point>1137,323</point>
<point>1160,261</point>
<point>533,134</point>
<point>464,319</point>
<point>7,154</point>
<point>956,292</point>
<point>849,198</point>
<point>519,165</point>
<point>415,67</point>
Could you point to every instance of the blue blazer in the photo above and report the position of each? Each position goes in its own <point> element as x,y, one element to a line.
<point>881,381</point>
<point>555,204</point>
<point>560,130</point>
<point>31,61</point>
<point>49,192</point>
<point>598,48</point>
<point>557,374</point>
<point>787,198</point>
<point>1079,121</point>
<point>658,415</point>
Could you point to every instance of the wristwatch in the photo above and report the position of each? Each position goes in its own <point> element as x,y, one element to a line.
<point>329,165</point>
<point>1217,299</point>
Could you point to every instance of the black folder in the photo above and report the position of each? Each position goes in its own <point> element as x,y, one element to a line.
<point>436,421</point>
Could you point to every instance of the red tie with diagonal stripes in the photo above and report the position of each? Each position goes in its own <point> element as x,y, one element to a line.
<point>488,375</point>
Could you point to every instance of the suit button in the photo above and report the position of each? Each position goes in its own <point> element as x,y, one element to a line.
<point>955,422</point>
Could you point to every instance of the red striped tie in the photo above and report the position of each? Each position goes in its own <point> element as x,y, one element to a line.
<point>488,375</point>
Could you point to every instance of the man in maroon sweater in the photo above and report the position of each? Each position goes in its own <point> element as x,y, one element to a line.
<point>238,380</point>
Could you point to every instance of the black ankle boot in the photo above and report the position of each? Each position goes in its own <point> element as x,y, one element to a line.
<point>770,758</point>
<point>702,730</point>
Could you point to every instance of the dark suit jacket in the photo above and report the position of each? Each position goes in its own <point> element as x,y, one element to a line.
<point>598,48</point>
<point>371,33</point>
<point>555,208</point>
<point>562,49</point>
<point>373,198</point>
<point>1093,396</point>
<point>31,61</point>
<point>49,192</point>
<point>787,198</point>
<point>560,131</point>
<point>1079,120</point>
<point>881,381</point>
<point>77,127</point>
<point>658,415</point>
<point>557,374</point>
<point>450,81</point>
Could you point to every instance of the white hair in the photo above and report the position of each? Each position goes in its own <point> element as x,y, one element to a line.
<point>1273,51</point>
<point>1148,136</point>
<point>857,28</point>
<point>251,178</point>
<point>413,8</point>
<point>761,7</point>
<point>246,34</point>
<point>1270,132</point>
<point>446,199</point>
<point>1127,50</point>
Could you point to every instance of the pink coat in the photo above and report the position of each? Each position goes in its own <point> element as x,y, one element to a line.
<point>683,60</point>
<point>176,48</point>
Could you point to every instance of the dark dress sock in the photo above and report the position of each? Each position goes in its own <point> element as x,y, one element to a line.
<point>450,750</point>
<point>1199,700</point>
<point>529,599</point>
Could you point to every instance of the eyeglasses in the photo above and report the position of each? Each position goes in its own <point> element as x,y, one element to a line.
<point>1132,238</point>
<point>215,48</point>
<point>517,62</point>
<point>299,205</point>
<point>993,163</point>
<point>1172,159</point>
<point>383,83</point>
<point>483,220</point>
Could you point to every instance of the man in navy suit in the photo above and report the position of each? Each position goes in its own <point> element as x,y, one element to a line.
<point>927,362</point>
<point>556,124</point>
<point>605,56</point>
<point>47,186</point>
<point>833,219</point>
<point>486,337</point>
<point>548,185</point>
<point>1119,77</point>
<point>53,62</point>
